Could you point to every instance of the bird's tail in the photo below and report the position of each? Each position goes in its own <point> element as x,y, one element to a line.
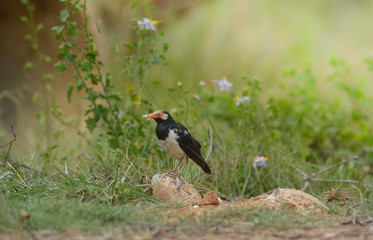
<point>203,164</point>
<point>206,168</point>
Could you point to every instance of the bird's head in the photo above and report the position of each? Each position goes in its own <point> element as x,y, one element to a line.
<point>159,116</point>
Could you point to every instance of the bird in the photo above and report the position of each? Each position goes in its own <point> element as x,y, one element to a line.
<point>177,141</point>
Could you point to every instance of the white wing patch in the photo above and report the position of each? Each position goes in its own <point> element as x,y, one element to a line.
<point>171,145</point>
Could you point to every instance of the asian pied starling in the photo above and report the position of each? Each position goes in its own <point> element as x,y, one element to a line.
<point>177,141</point>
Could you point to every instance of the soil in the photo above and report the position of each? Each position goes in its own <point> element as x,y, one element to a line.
<point>243,230</point>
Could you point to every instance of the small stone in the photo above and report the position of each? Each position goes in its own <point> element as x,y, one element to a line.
<point>24,214</point>
<point>210,199</point>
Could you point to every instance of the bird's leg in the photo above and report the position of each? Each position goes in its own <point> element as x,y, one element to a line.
<point>173,171</point>
<point>177,165</point>
<point>186,162</point>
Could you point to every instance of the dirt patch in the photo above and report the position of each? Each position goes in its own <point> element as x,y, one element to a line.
<point>243,230</point>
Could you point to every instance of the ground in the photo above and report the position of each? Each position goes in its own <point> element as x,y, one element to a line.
<point>283,213</point>
<point>242,230</point>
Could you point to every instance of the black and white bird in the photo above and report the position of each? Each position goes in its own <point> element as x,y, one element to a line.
<point>177,141</point>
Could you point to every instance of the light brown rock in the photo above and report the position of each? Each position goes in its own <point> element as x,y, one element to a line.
<point>173,188</point>
<point>210,199</point>
<point>287,198</point>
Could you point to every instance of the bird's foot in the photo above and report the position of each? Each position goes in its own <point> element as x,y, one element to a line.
<point>173,174</point>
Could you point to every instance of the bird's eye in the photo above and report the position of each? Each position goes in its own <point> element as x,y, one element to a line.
<point>159,114</point>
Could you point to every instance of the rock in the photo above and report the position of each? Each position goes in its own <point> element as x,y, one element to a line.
<point>287,198</point>
<point>210,199</point>
<point>173,188</point>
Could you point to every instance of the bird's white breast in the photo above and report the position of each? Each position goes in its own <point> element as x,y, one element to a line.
<point>172,147</point>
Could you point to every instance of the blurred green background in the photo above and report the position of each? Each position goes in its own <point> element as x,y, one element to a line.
<point>278,42</point>
<point>207,39</point>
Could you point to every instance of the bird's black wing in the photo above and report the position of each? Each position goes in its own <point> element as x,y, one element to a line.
<point>190,146</point>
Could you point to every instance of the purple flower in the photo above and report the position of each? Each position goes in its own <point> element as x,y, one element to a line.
<point>202,83</point>
<point>147,24</point>
<point>197,97</point>
<point>160,145</point>
<point>126,124</point>
<point>260,162</point>
<point>223,84</point>
<point>241,100</point>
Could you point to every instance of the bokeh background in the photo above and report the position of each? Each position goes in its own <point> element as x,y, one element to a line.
<point>208,40</point>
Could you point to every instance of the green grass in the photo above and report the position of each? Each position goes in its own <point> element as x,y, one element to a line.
<point>73,214</point>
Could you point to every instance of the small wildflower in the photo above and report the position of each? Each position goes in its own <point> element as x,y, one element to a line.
<point>128,87</point>
<point>137,100</point>
<point>147,24</point>
<point>202,83</point>
<point>241,100</point>
<point>179,84</point>
<point>197,97</point>
<point>120,114</point>
<point>260,162</point>
<point>126,124</point>
<point>160,145</point>
<point>77,169</point>
<point>224,84</point>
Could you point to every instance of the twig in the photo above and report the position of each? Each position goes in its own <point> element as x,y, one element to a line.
<point>298,170</point>
<point>335,180</point>
<point>210,148</point>
<point>10,145</point>
<point>327,169</point>
<point>16,173</point>
<point>304,175</point>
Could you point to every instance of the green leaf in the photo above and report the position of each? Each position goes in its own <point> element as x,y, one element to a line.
<point>72,29</point>
<point>39,27</point>
<point>58,29</point>
<point>48,76</point>
<point>99,27</point>
<point>79,84</point>
<point>48,86</point>
<point>61,67</point>
<point>30,8</point>
<point>166,46</point>
<point>24,19</point>
<point>134,4</point>
<point>36,97</point>
<point>91,123</point>
<point>28,65</point>
<point>71,58</point>
<point>24,1</point>
<point>28,37</point>
<point>64,14</point>
<point>48,59</point>
<point>69,91</point>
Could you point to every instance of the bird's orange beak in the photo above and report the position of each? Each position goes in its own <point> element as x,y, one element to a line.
<point>150,115</point>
